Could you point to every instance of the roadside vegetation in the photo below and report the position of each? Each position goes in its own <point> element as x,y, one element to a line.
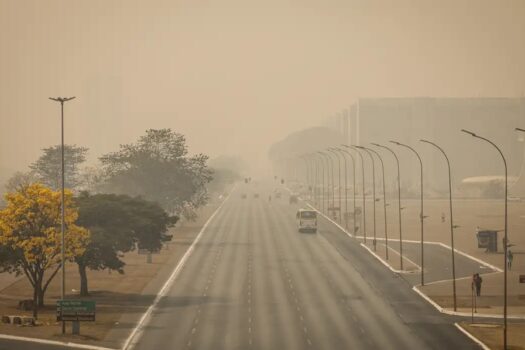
<point>129,202</point>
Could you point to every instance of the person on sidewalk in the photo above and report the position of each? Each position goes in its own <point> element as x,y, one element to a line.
<point>476,283</point>
<point>510,257</point>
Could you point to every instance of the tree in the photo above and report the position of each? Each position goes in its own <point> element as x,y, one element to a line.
<point>20,180</point>
<point>30,236</point>
<point>48,168</point>
<point>117,224</point>
<point>157,167</point>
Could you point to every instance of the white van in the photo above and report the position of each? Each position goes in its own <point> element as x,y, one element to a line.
<point>306,220</point>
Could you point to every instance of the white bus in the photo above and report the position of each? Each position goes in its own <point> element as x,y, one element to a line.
<point>306,220</point>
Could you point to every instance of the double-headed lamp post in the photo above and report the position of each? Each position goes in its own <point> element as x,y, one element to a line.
<point>421,215</point>
<point>505,246</point>
<point>62,205</point>
<point>451,221</point>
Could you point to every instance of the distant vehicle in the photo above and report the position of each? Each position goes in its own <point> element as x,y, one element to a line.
<point>293,199</point>
<point>243,196</point>
<point>306,220</point>
<point>256,195</point>
<point>278,195</point>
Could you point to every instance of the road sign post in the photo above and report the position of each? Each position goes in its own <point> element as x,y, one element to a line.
<point>76,310</point>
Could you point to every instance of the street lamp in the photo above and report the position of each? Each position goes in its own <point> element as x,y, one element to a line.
<point>399,202</point>
<point>330,160</point>
<point>346,185</point>
<point>506,236</point>
<point>353,187</point>
<point>62,205</point>
<point>421,215</point>
<point>451,220</point>
<point>384,198</point>
<point>364,195</point>
<point>334,151</point>
<point>324,189</point>
<point>316,177</point>
<point>373,191</point>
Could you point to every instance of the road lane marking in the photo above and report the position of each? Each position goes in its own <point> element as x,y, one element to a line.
<point>473,338</point>
<point>136,333</point>
<point>384,262</point>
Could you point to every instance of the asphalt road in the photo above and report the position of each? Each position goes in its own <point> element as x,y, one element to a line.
<point>254,282</point>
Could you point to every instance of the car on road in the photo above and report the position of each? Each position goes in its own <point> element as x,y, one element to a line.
<point>256,195</point>
<point>293,199</point>
<point>243,196</point>
<point>306,220</point>
<point>278,195</point>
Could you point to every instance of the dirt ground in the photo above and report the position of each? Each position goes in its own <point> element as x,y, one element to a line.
<point>492,334</point>
<point>116,295</point>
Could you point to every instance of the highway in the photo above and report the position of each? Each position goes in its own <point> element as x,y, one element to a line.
<point>254,282</point>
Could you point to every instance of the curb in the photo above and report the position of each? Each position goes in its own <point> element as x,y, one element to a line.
<point>53,342</point>
<point>473,338</point>
<point>462,314</point>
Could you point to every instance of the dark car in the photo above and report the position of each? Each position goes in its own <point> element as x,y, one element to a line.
<point>243,196</point>
<point>293,199</point>
<point>256,195</point>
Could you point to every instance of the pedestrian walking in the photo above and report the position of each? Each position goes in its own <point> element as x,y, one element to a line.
<point>476,283</point>
<point>510,257</point>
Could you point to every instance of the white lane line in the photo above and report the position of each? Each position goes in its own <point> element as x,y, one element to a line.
<point>459,278</point>
<point>407,259</point>
<point>53,342</point>
<point>473,338</point>
<point>139,328</point>
<point>471,257</point>
<point>384,262</point>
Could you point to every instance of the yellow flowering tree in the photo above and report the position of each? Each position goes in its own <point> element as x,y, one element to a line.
<point>30,236</point>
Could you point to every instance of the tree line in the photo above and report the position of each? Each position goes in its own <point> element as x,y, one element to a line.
<point>130,201</point>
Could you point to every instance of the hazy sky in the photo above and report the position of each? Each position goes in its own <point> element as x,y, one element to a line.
<point>236,75</point>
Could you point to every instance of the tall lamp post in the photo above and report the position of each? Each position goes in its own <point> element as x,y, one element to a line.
<point>505,246</point>
<point>316,177</point>
<point>334,152</point>
<point>399,202</point>
<point>62,205</point>
<point>364,195</point>
<point>421,215</point>
<point>353,186</point>
<point>325,189</point>
<point>374,243</point>
<point>451,221</point>
<point>331,164</point>
<point>384,198</point>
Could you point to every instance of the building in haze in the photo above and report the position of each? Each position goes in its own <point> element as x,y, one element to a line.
<point>440,120</point>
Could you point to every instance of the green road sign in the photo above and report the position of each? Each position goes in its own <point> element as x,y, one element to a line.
<point>76,310</point>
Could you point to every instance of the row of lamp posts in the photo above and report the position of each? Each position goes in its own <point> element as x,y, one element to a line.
<point>319,159</point>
